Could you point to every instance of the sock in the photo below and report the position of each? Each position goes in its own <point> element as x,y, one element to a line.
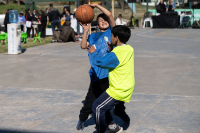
<point>112,126</point>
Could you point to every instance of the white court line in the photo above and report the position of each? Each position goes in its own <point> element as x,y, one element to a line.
<point>163,57</point>
<point>85,91</point>
<point>140,34</point>
<point>58,104</point>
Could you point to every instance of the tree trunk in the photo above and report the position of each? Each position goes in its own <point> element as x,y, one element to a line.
<point>123,5</point>
<point>7,1</point>
<point>119,4</point>
<point>18,2</point>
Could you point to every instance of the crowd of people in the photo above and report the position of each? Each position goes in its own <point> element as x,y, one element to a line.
<point>170,6</point>
<point>37,22</point>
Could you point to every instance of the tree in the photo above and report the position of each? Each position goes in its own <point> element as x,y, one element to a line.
<point>18,2</point>
<point>123,4</point>
<point>7,1</point>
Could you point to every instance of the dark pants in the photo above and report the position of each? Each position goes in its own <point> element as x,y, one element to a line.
<point>101,111</point>
<point>95,90</point>
<point>22,28</point>
<point>29,30</point>
<point>42,29</point>
<point>55,23</point>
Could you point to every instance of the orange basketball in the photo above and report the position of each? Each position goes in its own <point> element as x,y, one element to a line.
<point>84,14</point>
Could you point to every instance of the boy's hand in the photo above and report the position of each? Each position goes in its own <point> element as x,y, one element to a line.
<point>110,46</point>
<point>91,49</point>
<point>85,27</point>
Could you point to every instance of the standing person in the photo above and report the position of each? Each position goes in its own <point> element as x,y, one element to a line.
<point>170,5</point>
<point>44,23</point>
<point>119,20</point>
<point>98,76</point>
<point>6,20</point>
<point>34,15</point>
<point>54,16</point>
<point>21,20</point>
<point>29,18</point>
<point>63,13</point>
<point>120,62</point>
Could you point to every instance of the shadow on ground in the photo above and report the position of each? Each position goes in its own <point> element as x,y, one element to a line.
<point>18,131</point>
<point>117,120</point>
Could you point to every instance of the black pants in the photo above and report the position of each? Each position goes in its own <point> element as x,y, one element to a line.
<point>29,30</point>
<point>22,28</point>
<point>42,29</point>
<point>95,90</point>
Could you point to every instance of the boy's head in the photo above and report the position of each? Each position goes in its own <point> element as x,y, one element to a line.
<point>102,22</point>
<point>120,33</point>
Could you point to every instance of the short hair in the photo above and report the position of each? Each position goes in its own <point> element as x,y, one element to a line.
<point>123,33</point>
<point>102,15</point>
<point>67,23</point>
<point>120,15</point>
<point>51,4</point>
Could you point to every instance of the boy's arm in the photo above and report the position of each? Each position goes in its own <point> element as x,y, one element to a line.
<point>108,13</point>
<point>84,43</point>
<point>108,61</point>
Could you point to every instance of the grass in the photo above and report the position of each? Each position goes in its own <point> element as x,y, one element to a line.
<point>4,48</point>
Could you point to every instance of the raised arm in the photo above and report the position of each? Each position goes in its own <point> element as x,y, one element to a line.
<point>108,13</point>
<point>84,43</point>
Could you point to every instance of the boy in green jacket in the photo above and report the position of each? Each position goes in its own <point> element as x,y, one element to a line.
<point>120,62</point>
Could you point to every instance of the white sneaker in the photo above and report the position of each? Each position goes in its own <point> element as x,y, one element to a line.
<point>80,125</point>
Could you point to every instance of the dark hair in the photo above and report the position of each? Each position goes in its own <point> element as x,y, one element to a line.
<point>122,31</point>
<point>51,4</point>
<point>120,15</point>
<point>102,15</point>
<point>67,23</point>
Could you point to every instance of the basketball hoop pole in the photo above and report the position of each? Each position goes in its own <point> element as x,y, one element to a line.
<point>113,12</point>
<point>90,25</point>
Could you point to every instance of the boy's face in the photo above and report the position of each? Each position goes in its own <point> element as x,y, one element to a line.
<point>102,24</point>
<point>113,40</point>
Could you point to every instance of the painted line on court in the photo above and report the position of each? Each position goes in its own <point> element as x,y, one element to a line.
<point>58,104</point>
<point>140,34</point>
<point>163,57</point>
<point>162,32</point>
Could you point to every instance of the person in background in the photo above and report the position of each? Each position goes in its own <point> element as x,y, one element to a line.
<point>162,7</point>
<point>35,18</point>
<point>21,20</point>
<point>66,33</point>
<point>29,18</point>
<point>64,12</point>
<point>47,10</point>
<point>6,20</point>
<point>42,28</point>
<point>34,15</point>
<point>54,16</point>
<point>119,20</point>
<point>170,5</point>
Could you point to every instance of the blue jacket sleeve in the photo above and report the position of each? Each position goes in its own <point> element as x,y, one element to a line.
<point>108,61</point>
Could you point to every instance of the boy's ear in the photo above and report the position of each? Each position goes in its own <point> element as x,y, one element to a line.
<point>116,38</point>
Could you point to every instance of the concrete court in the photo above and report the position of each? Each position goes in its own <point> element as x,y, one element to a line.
<point>42,89</point>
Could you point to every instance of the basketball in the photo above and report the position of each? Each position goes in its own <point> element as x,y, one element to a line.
<point>84,14</point>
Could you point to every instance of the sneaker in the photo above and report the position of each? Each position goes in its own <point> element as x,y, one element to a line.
<point>80,125</point>
<point>118,129</point>
<point>53,41</point>
<point>124,117</point>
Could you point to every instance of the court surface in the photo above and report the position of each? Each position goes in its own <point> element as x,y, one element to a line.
<point>43,89</point>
